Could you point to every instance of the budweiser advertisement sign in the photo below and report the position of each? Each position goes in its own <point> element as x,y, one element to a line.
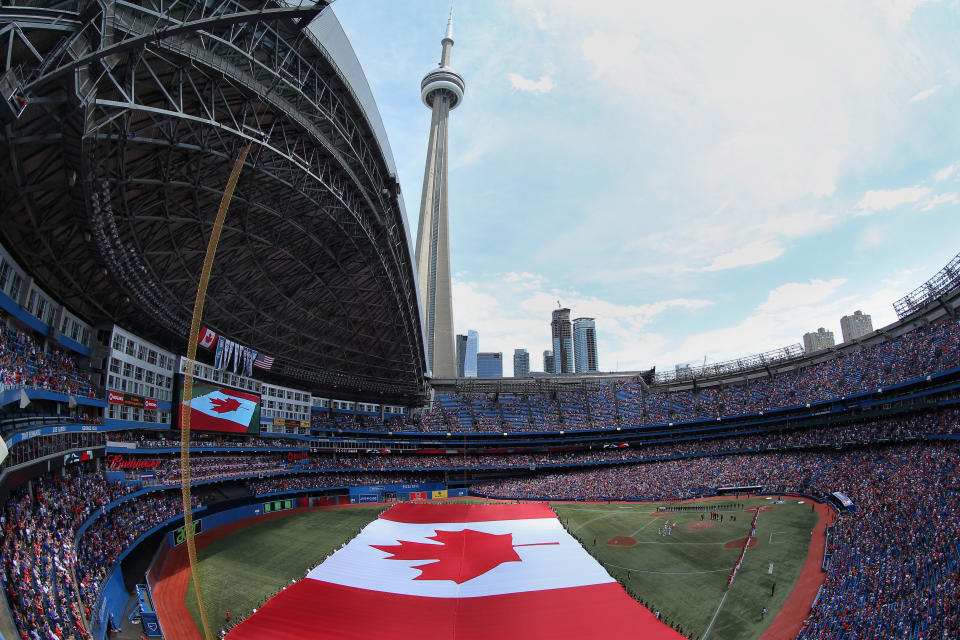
<point>130,400</point>
<point>121,463</point>
<point>294,456</point>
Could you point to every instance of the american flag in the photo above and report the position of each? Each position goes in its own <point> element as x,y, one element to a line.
<point>263,361</point>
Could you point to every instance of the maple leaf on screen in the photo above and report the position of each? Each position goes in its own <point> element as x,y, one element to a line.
<point>227,405</point>
<point>460,556</point>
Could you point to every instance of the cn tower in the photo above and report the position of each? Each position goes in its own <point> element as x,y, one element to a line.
<point>441,91</point>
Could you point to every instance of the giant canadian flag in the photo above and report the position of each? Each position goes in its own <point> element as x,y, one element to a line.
<point>469,572</point>
<point>221,409</point>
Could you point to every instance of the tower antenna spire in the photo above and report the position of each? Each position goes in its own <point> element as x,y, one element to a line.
<point>441,91</point>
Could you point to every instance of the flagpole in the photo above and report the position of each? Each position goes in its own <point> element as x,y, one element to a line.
<point>188,382</point>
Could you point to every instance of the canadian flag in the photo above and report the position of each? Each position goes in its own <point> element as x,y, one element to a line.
<point>218,409</point>
<point>469,572</point>
<point>206,338</point>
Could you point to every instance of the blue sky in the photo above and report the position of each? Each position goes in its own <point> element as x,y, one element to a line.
<point>707,180</point>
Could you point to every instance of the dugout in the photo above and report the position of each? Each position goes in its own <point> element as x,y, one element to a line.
<point>841,502</point>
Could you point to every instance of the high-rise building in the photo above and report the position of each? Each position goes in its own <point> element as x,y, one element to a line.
<point>548,362</point>
<point>585,344</point>
<point>822,339</point>
<point>521,363</point>
<point>470,354</point>
<point>562,341</point>
<point>489,365</point>
<point>441,91</point>
<point>855,326</point>
<point>461,342</point>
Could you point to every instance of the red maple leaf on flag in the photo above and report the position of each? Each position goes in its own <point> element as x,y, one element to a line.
<point>460,556</point>
<point>225,406</point>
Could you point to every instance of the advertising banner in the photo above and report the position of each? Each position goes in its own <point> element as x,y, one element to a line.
<point>131,400</point>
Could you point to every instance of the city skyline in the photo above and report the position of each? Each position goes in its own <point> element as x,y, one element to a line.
<point>684,240</point>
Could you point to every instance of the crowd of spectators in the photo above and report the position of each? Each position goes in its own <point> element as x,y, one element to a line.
<point>893,570</point>
<point>39,565</point>
<point>37,551</point>
<point>25,362</point>
<point>221,467</point>
<point>631,402</point>
<point>159,440</point>
<point>327,480</point>
<point>114,531</point>
<point>206,468</point>
<point>895,560</point>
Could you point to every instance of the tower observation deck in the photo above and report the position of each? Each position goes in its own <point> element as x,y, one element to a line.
<point>441,90</point>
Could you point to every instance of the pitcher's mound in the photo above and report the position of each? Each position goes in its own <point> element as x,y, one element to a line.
<point>622,541</point>
<point>738,544</point>
<point>703,524</point>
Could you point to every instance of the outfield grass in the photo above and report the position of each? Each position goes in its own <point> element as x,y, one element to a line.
<point>684,575</point>
<point>239,570</point>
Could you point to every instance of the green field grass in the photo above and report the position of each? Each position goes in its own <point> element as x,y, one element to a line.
<point>684,575</point>
<point>239,570</point>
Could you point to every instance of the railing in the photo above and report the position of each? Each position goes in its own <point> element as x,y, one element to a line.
<point>941,283</point>
<point>727,367</point>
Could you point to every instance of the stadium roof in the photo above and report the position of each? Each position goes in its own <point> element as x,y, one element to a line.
<point>113,174</point>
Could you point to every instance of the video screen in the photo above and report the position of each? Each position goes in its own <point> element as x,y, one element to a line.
<point>217,408</point>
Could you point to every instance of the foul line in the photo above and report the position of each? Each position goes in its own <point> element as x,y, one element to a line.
<point>593,520</point>
<point>715,614</point>
<point>652,520</point>
<point>604,510</point>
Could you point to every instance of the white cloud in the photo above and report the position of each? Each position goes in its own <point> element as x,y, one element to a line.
<point>946,173</point>
<point>899,12</point>
<point>509,314</point>
<point>770,135</point>
<point>544,85</point>
<point>789,311</point>
<point>884,199</point>
<point>940,199</point>
<point>926,93</point>
<point>799,294</point>
<point>514,311</point>
<point>681,66</point>
<point>753,253</point>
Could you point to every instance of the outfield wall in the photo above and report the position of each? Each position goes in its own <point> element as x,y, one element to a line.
<point>113,595</point>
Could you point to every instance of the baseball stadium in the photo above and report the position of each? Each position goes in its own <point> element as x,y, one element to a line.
<point>230,406</point>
